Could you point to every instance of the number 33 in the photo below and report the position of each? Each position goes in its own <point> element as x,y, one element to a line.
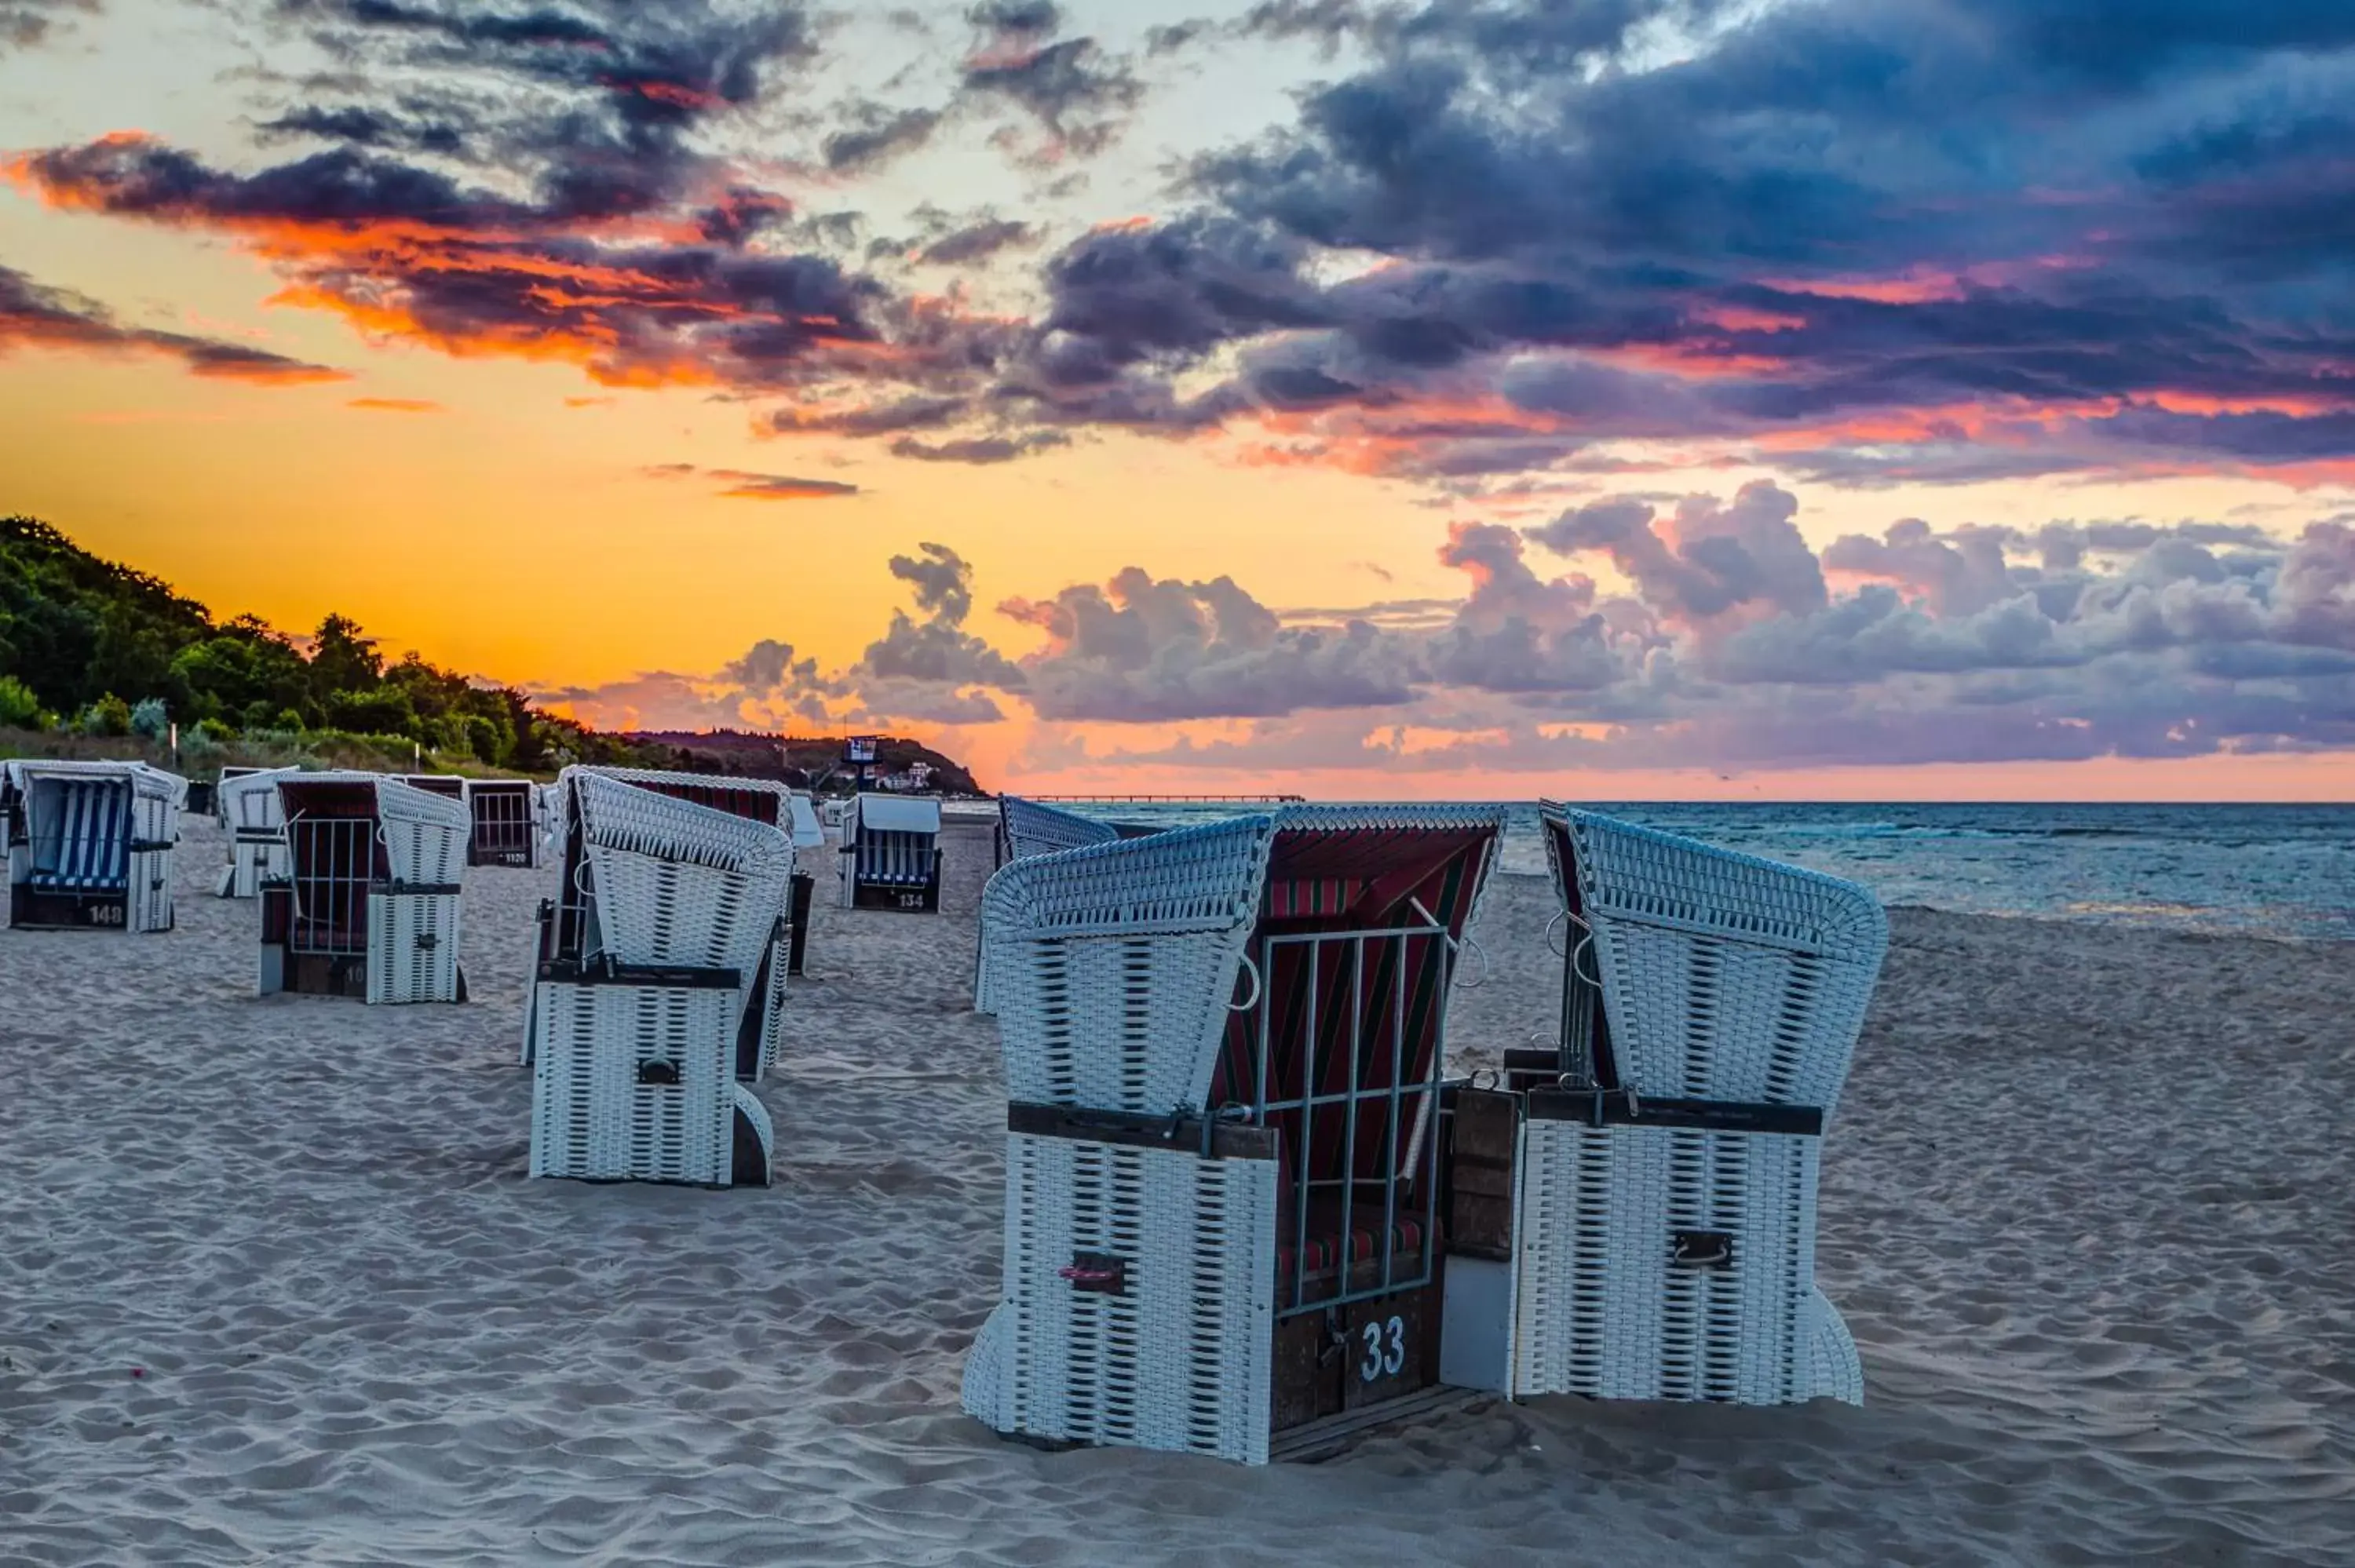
<point>1383,1360</point>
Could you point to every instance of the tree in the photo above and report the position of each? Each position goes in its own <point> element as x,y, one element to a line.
<point>385,711</point>
<point>341,660</point>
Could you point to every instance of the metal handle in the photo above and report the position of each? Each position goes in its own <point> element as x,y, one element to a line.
<point>1256,988</point>
<point>1472,944</point>
<point>1560,918</point>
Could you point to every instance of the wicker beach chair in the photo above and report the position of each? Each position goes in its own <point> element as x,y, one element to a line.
<point>567,935</point>
<point>89,844</point>
<point>1667,1156</point>
<point>890,853</point>
<point>506,822</point>
<point>1223,1055</point>
<point>370,903</point>
<point>639,1011</point>
<point>1026,828</point>
<point>248,805</point>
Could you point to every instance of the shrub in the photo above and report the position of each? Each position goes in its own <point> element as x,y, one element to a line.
<point>151,719</point>
<point>20,709</point>
<point>110,716</point>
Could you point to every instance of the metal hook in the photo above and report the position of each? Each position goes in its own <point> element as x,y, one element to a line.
<point>1256,988</point>
<point>1472,944</point>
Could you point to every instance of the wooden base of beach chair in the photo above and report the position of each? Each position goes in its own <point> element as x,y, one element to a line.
<point>924,899</point>
<point>37,909</point>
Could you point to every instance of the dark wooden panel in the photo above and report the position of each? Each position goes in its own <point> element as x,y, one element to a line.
<point>1485,1129</point>
<point>1306,1371</point>
<point>1388,1353</point>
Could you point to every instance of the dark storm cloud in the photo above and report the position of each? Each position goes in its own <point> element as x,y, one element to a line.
<point>1814,220</point>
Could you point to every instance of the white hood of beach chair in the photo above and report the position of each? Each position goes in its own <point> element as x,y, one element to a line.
<point>896,815</point>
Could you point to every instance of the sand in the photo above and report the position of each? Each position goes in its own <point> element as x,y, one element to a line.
<point>273,1288</point>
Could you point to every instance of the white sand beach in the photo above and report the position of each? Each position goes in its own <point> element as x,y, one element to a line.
<point>273,1286</point>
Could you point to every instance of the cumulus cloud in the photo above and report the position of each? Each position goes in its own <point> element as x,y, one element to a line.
<point>937,652</point>
<point>1138,648</point>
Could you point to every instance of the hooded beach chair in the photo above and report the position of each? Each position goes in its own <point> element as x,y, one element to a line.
<point>506,822</point>
<point>90,844</point>
<point>1223,1053</point>
<point>1026,828</point>
<point>229,774</point>
<point>568,923</point>
<point>370,905</point>
<point>248,805</point>
<point>647,985</point>
<point>1664,1156</point>
<point>890,856</point>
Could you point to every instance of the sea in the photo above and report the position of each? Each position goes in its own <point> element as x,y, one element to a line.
<point>2286,872</point>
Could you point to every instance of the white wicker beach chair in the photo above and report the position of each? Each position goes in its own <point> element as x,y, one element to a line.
<point>650,970</point>
<point>1224,1049</point>
<point>760,801</point>
<point>1026,828</point>
<point>1666,1228</point>
<point>248,804</point>
<point>90,844</point>
<point>890,856</point>
<point>370,903</point>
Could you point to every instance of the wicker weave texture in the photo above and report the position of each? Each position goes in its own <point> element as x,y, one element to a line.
<point>1179,1358</point>
<point>424,835</point>
<point>1603,1309</point>
<point>677,883</point>
<point>593,1119</point>
<point>1033,829</point>
<point>412,947</point>
<point>1724,976</point>
<point>256,821</point>
<point>1110,969</point>
<point>772,1004</point>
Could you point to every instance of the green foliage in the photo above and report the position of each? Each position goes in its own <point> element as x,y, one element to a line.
<point>149,718</point>
<point>19,708</point>
<point>110,716</point>
<point>75,629</point>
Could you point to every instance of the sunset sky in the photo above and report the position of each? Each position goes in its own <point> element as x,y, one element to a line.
<point>1862,399</point>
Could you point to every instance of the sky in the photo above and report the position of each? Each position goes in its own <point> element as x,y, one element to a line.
<point>1597,398</point>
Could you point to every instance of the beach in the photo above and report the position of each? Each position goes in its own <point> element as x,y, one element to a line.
<point>274,1288</point>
